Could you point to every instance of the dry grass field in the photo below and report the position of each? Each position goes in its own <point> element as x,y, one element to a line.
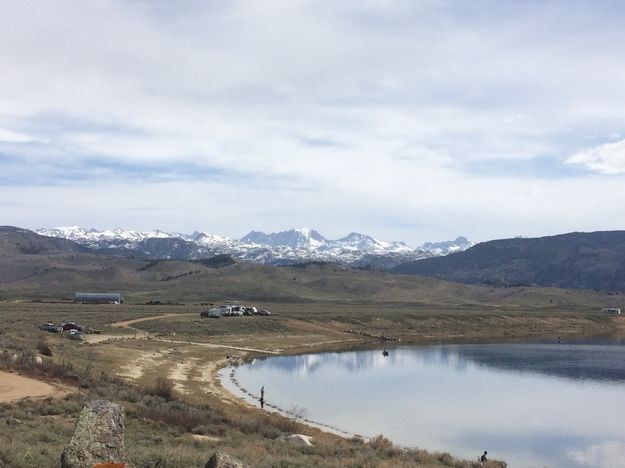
<point>177,413</point>
<point>164,370</point>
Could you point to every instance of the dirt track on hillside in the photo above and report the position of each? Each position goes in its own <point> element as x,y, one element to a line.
<point>15,387</point>
<point>127,323</point>
<point>143,334</point>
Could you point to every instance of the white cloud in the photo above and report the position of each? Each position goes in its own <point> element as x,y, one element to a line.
<point>407,99</point>
<point>608,453</point>
<point>9,136</point>
<point>608,158</point>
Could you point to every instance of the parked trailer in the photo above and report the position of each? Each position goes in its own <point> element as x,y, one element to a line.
<point>211,313</point>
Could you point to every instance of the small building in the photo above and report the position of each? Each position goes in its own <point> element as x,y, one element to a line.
<point>611,310</point>
<point>98,298</point>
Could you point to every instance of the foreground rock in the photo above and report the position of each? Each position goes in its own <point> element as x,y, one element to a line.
<point>223,460</point>
<point>98,437</point>
<point>299,440</point>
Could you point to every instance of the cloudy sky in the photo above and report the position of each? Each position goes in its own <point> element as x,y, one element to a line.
<point>411,120</point>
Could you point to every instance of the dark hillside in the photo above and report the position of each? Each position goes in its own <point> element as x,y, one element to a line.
<point>59,270</point>
<point>593,260</point>
<point>14,240</point>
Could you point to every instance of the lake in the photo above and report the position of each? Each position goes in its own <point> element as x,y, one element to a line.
<point>532,405</point>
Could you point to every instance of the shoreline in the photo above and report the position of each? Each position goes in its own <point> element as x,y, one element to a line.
<point>226,374</point>
<point>249,397</point>
<point>196,356</point>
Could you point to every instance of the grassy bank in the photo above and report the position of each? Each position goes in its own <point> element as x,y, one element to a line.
<point>178,414</point>
<point>165,429</point>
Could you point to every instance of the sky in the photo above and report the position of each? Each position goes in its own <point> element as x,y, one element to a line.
<point>412,120</point>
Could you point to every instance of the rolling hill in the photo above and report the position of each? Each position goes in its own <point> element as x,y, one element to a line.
<point>594,260</point>
<point>56,269</point>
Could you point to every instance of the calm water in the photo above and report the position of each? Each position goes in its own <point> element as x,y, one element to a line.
<point>533,405</point>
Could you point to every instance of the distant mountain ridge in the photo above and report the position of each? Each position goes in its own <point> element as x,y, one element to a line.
<point>594,260</point>
<point>458,245</point>
<point>294,238</point>
<point>284,247</point>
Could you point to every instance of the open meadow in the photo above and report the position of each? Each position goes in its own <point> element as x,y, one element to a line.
<point>161,361</point>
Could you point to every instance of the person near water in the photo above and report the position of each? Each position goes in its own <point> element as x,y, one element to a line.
<point>262,391</point>
<point>483,457</point>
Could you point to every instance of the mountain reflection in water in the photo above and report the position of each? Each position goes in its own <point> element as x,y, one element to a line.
<point>539,404</point>
<point>578,361</point>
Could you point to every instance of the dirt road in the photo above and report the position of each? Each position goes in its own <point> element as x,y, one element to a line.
<point>15,387</point>
<point>143,334</point>
<point>128,323</point>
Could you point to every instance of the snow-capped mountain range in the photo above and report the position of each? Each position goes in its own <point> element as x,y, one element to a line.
<point>285,247</point>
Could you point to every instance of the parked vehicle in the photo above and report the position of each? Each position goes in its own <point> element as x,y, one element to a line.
<point>250,310</point>
<point>211,313</point>
<point>49,327</point>
<point>231,310</point>
<point>68,326</point>
<point>75,335</point>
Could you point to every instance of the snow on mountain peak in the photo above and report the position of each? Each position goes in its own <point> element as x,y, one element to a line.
<point>445,247</point>
<point>289,246</point>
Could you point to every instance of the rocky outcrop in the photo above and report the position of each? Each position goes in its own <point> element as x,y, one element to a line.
<point>98,437</point>
<point>299,440</point>
<point>223,460</point>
